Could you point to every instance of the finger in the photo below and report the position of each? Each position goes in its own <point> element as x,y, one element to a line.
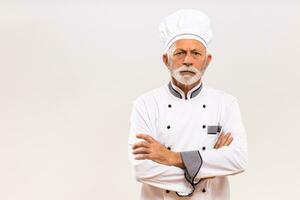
<point>141,157</point>
<point>228,142</point>
<point>223,142</point>
<point>224,139</point>
<point>219,140</point>
<point>145,137</point>
<point>141,144</point>
<point>141,150</point>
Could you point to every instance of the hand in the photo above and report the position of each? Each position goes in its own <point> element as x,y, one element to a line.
<point>152,150</point>
<point>223,140</point>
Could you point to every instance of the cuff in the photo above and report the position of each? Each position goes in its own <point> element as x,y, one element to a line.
<point>193,162</point>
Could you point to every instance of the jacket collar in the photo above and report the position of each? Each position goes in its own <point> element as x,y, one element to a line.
<point>177,92</point>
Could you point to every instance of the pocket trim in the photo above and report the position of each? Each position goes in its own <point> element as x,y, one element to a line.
<point>213,130</point>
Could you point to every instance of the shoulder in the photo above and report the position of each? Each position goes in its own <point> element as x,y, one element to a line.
<point>150,97</point>
<point>220,95</point>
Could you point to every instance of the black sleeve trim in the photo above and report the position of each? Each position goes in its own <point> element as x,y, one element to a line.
<point>188,159</point>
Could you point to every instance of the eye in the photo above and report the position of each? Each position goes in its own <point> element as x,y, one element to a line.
<point>179,53</point>
<point>196,53</point>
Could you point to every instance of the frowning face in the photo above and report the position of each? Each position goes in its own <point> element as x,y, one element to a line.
<point>187,60</point>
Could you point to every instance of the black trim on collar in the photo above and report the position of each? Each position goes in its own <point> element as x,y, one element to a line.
<point>178,95</point>
<point>197,91</point>
<point>174,92</point>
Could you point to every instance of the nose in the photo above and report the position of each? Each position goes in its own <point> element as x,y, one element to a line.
<point>188,60</point>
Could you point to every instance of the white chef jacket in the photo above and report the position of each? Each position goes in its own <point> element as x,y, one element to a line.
<point>190,126</point>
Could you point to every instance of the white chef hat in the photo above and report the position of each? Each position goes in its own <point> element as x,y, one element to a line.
<point>185,24</point>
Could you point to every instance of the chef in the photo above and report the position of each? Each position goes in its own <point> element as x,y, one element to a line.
<point>186,137</point>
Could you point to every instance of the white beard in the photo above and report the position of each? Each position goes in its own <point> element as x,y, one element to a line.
<point>187,79</point>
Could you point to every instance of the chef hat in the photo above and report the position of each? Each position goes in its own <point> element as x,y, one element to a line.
<point>185,24</point>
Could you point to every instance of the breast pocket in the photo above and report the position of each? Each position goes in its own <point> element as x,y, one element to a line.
<point>214,130</point>
<point>212,136</point>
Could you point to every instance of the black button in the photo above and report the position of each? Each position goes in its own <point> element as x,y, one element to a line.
<point>204,190</point>
<point>204,106</point>
<point>168,127</point>
<point>203,148</point>
<point>169,105</point>
<point>203,126</point>
<point>167,191</point>
<point>169,148</point>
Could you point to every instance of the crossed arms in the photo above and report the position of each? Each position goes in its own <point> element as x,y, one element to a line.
<point>158,166</point>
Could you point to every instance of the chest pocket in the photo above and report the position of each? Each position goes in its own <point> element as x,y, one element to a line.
<point>213,130</point>
<point>212,136</point>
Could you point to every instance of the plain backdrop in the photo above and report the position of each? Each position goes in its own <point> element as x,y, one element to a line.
<point>69,71</point>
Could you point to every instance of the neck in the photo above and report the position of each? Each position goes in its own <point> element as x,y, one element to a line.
<point>185,88</point>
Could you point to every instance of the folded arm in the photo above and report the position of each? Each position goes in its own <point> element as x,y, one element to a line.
<point>147,171</point>
<point>155,165</point>
<point>223,160</point>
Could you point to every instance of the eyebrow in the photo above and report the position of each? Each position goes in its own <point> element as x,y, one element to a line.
<point>185,50</point>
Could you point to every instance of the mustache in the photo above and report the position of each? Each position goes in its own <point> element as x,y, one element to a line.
<point>185,68</point>
<point>187,80</point>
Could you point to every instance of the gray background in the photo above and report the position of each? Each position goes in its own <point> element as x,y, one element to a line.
<point>69,71</point>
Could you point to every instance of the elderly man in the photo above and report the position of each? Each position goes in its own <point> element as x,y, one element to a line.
<point>185,137</point>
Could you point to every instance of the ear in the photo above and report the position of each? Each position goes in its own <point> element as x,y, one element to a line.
<point>165,59</point>
<point>208,60</point>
